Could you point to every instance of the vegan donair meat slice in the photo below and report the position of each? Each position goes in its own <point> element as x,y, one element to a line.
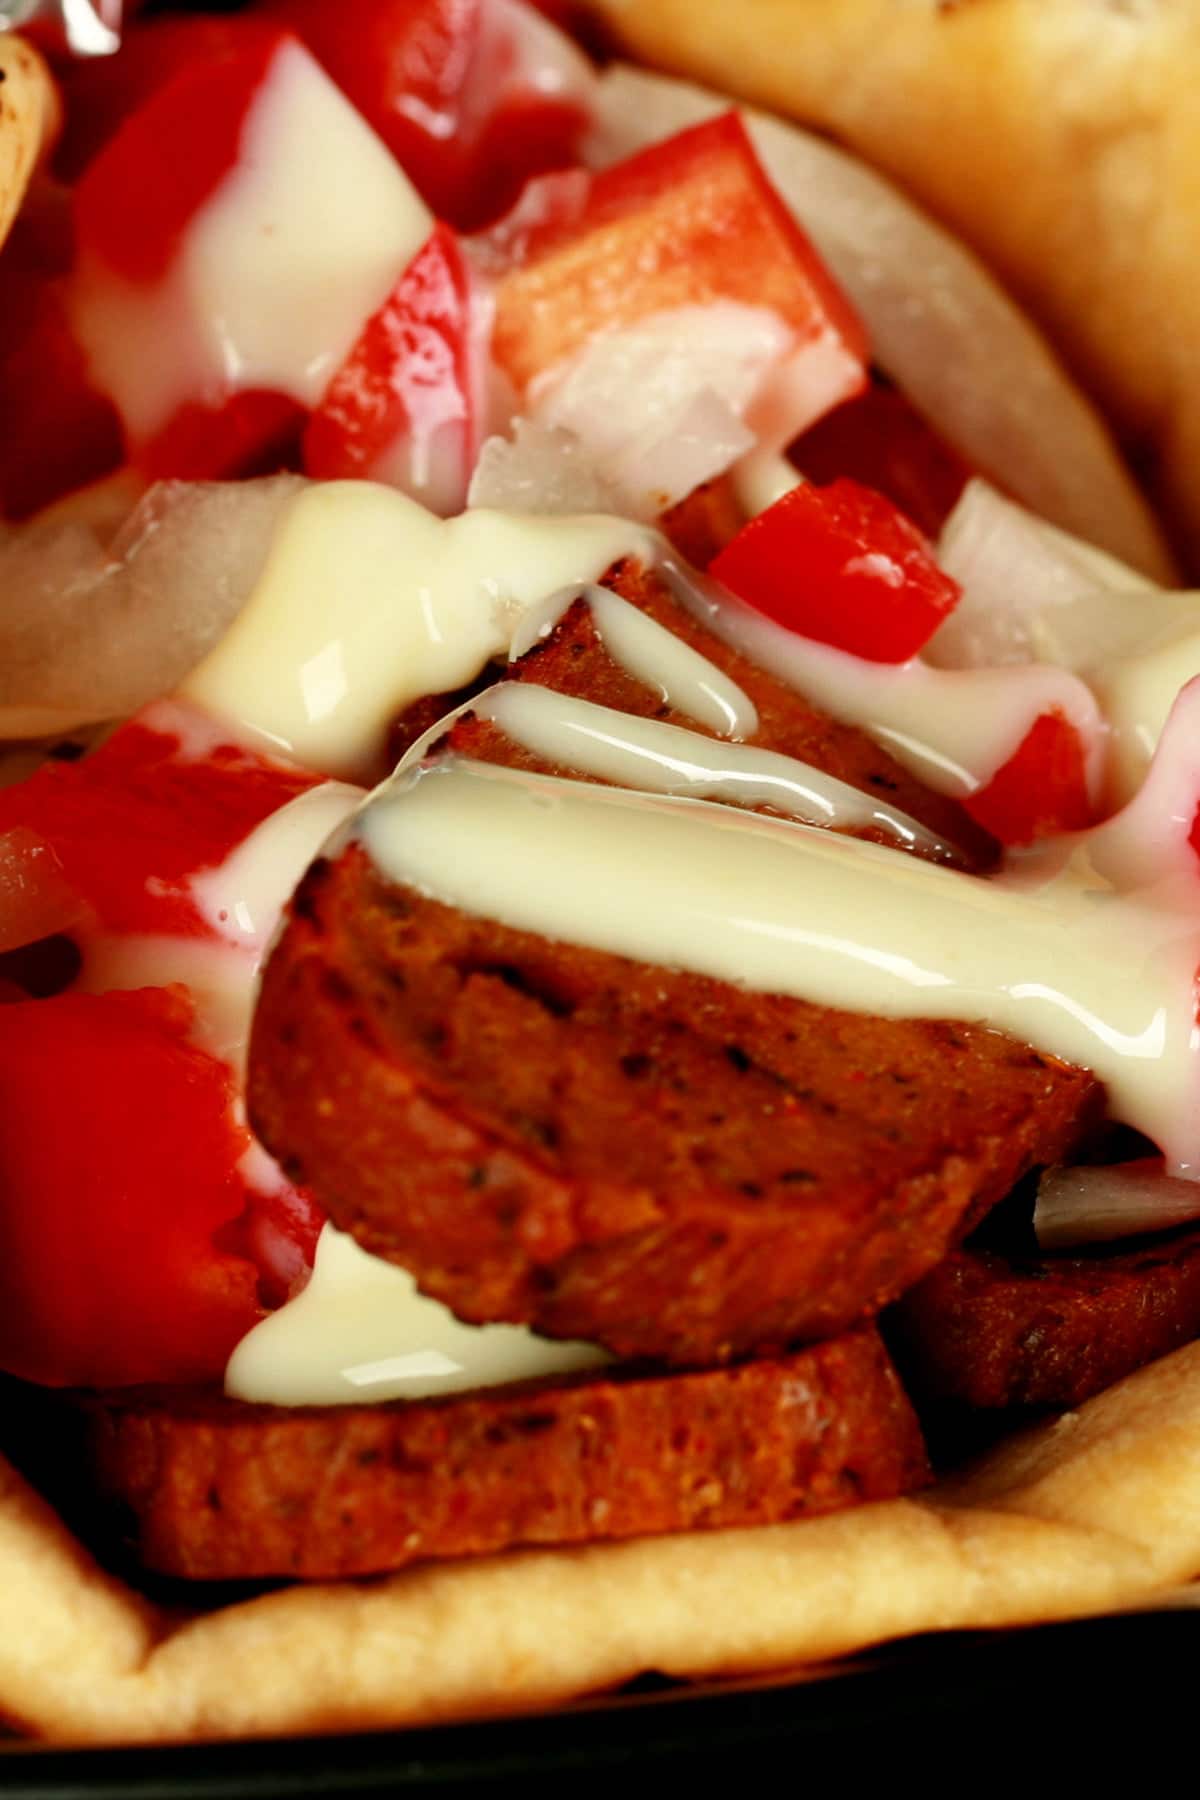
<point>672,1166</point>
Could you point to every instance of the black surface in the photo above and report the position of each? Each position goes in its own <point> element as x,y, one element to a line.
<point>947,1712</point>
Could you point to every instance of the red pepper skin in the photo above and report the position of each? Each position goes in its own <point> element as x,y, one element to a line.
<point>880,439</point>
<point>253,432</point>
<point>118,1168</point>
<point>68,433</point>
<point>840,564</point>
<point>171,153</point>
<point>101,92</point>
<point>1041,790</point>
<point>683,223</point>
<point>134,821</point>
<point>407,378</point>
<point>413,69</point>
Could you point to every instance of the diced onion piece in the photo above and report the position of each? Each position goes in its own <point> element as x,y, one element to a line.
<point>541,469</point>
<point>91,633</point>
<point>662,403</point>
<point>939,324</point>
<point>1095,1206</point>
<point>1033,593</point>
<point>36,900</point>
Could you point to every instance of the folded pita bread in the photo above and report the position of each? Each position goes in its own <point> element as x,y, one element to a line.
<point>1060,137</point>
<point>1098,1510</point>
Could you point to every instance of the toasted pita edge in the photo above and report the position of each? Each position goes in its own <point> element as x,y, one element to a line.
<point>28,119</point>
<point>1096,1511</point>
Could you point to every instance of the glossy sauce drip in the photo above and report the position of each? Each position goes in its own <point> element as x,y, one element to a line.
<point>954,728</point>
<point>1054,952</point>
<point>649,755</point>
<point>368,603</point>
<point>361,1333</point>
<point>687,682</point>
<point>242,900</point>
<point>276,224</point>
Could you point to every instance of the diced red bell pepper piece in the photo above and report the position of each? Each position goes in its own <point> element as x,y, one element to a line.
<point>406,396</point>
<point>880,439</point>
<point>840,564</point>
<point>119,1178</point>
<point>132,823</point>
<point>431,78</point>
<point>138,195</point>
<point>59,432</point>
<point>253,432</point>
<point>683,223</point>
<point>1041,790</point>
<point>100,92</point>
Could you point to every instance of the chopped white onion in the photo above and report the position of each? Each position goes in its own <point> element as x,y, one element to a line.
<point>1032,593</point>
<point>678,453</point>
<point>1096,1206</point>
<point>92,631</point>
<point>940,325</point>
<point>540,469</point>
<point>662,404</point>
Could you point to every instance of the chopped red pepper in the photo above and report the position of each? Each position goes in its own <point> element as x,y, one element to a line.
<point>840,564</point>
<point>254,432</point>
<point>139,194</point>
<point>880,439</point>
<point>133,822</point>
<point>100,92</point>
<point>404,405</point>
<point>445,93</point>
<point>119,1155</point>
<point>684,223</point>
<point>69,434</point>
<point>1041,790</point>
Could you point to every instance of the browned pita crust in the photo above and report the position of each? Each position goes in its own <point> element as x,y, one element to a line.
<point>1098,1510</point>
<point>28,115</point>
<point>1060,137</point>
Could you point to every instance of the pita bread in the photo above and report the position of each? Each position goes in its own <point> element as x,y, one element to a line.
<point>1098,1510</point>
<point>1060,137</point>
<point>28,116</point>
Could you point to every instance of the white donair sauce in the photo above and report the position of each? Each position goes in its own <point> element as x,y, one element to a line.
<point>762,478</point>
<point>313,189</point>
<point>242,899</point>
<point>368,603</point>
<point>654,757</point>
<point>686,681</point>
<point>1032,594</point>
<point>954,728</point>
<point>361,1333</point>
<point>1055,954</point>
